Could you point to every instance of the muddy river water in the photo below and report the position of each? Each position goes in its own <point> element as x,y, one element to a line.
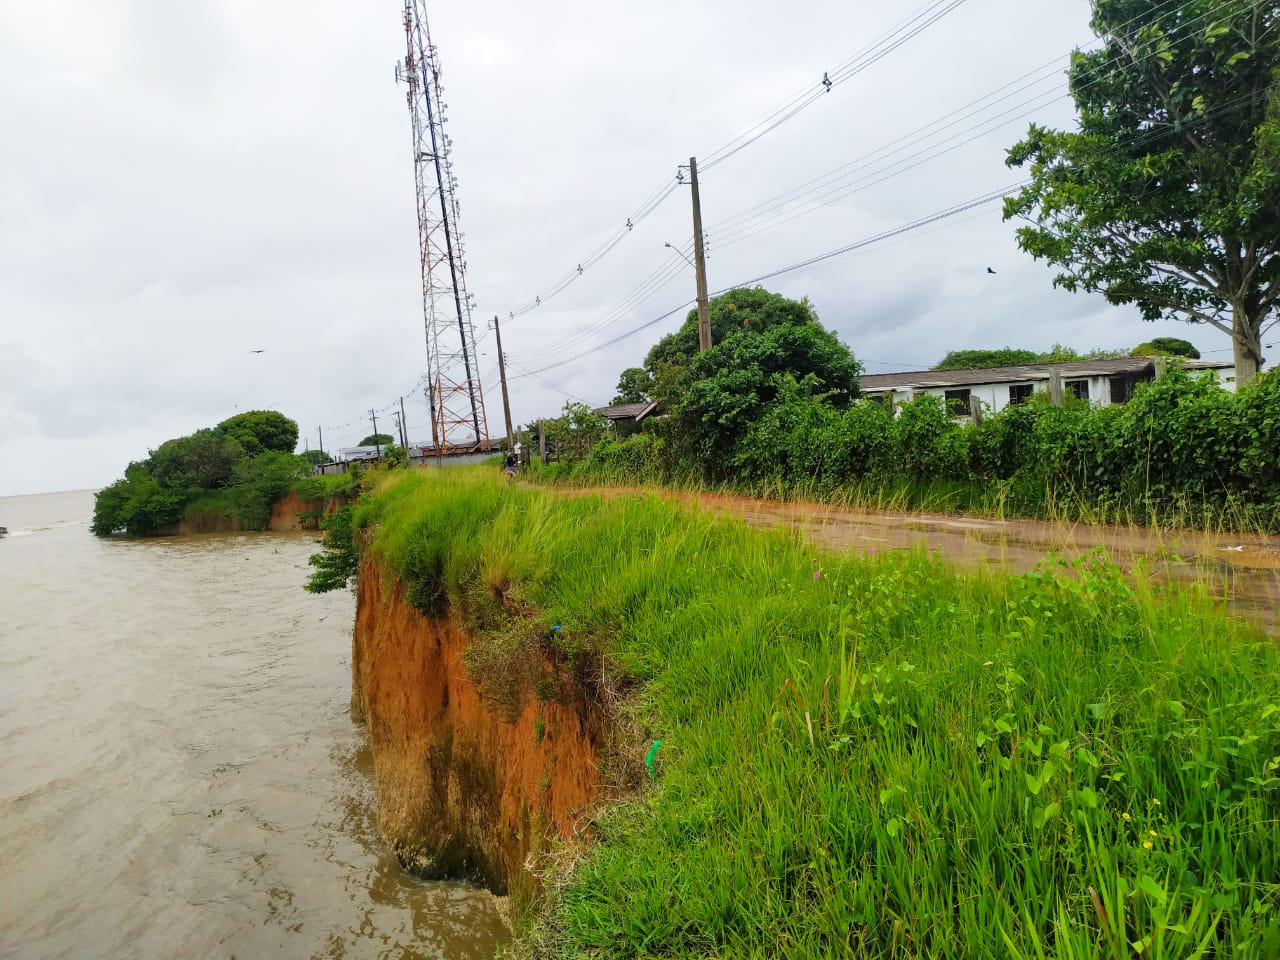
<point>180,775</point>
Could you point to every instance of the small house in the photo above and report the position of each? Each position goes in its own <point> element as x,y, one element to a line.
<point>625,418</point>
<point>1104,383</point>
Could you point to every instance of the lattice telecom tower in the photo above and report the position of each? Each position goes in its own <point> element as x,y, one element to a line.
<point>453,376</point>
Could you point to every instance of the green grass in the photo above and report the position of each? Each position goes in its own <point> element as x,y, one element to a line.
<point>323,486</point>
<point>878,756</point>
<point>999,499</point>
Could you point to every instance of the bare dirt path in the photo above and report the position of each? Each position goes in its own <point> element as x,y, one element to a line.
<point>1246,565</point>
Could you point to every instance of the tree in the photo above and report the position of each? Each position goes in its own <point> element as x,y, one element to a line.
<point>780,350</point>
<point>1010,356</point>
<point>377,440</point>
<point>1166,347</point>
<point>261,430</point>
<point>1003,357</point>
<point>1168,196</point>
<point>634,385</point>
<point>575,431</point>
<point>316,457</point>
<point>205,460</point>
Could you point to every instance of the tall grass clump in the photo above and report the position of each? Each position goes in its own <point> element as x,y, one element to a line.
<point>875,757</point>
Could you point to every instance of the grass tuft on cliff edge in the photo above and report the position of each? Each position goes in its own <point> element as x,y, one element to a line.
<point>870,756</point>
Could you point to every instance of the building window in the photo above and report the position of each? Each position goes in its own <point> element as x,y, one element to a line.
<point>1078,389</point>
<point>1121,390</point>
<point>958,402</point>
<point>1021,392</point>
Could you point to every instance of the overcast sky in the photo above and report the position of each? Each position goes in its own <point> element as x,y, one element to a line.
<point>184,183</point>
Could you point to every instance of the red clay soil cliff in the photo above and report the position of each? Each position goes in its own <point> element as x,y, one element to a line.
<point>466,787</point>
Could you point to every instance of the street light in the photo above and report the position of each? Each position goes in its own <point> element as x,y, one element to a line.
<point>681,255</point>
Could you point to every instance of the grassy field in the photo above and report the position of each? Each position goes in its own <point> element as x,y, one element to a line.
<point>869,756</point>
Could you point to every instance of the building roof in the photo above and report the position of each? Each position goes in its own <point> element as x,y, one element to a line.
<point>1021,373</point>
<point>627,411</point>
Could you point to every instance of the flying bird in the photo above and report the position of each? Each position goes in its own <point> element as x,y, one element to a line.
<point>989,270</point>
<point>257,351</point>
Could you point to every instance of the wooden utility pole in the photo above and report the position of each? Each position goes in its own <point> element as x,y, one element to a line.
<point>404,429</point>
<point>376,445</point>
<point>699,263</point>
<point>975,409</point>
<point>502,375</point>
<point>321,431</point>
<point>542,442</point>
<point>1055,386</point>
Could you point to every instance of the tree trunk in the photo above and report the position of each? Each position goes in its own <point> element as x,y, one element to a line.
<point>1246,340</point>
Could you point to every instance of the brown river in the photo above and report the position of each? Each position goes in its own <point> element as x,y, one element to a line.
<point>180,775</point>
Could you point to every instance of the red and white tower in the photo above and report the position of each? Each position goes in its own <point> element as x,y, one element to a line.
<point>454,393</point>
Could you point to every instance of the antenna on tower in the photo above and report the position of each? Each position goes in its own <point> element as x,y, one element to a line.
<point>453,375</point>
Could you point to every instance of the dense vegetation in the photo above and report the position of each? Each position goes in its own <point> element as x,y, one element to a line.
<point>239,469</point>
<point>1011,356</point>
<point>772,409</point>
<point>867,756</point>
<point>1182,451</point>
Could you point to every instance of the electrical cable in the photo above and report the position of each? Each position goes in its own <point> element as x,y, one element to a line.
<point>821,191</point>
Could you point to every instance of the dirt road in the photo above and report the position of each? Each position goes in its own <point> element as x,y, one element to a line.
<point>1246,565</point>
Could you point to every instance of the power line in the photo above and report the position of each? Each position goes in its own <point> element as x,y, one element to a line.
<point>840,251</point>
<point>823,190</point>
<point>907,29</point>
<point>660,278</point>
<point>879,238</point>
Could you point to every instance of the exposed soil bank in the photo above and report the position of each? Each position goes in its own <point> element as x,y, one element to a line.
<point>286,515</point>
<point>466,787</point>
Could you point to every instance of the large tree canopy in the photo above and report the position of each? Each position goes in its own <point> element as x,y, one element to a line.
<point>1166,347</point>
<point>1012,356</point>
<point>764,346</point>
<point>261,430</point>
<point>634,384</point>
<point>1168,196</point>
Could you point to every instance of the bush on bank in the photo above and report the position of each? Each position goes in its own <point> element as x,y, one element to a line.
<point>1182,450</point>
<point>238,470</point>
<point>870,756</point>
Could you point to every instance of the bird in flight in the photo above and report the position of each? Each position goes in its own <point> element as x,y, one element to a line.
<point>989,270</point>
<point>257,351</point>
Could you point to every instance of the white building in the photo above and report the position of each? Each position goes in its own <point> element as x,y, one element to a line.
<point>1101,382</point>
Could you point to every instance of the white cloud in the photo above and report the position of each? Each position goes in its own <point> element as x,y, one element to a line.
<point>183,183</point>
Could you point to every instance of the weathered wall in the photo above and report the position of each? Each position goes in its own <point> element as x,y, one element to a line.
<point>465,787</point>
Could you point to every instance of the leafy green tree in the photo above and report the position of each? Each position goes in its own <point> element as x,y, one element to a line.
<point>377,440</point>
<point>260,430</point>
<point>205,460</point>
<point>575,431</point>
<point>262,480</point>
<point>1168,195</point>
<point>1166,347</point>
<point>1009,356</point>
<point>731,385</point>
<point>634,385</point>
<point>744,310</point>
<point>316,457</point>
<point>136,505</point>
<point>1003,357</point>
